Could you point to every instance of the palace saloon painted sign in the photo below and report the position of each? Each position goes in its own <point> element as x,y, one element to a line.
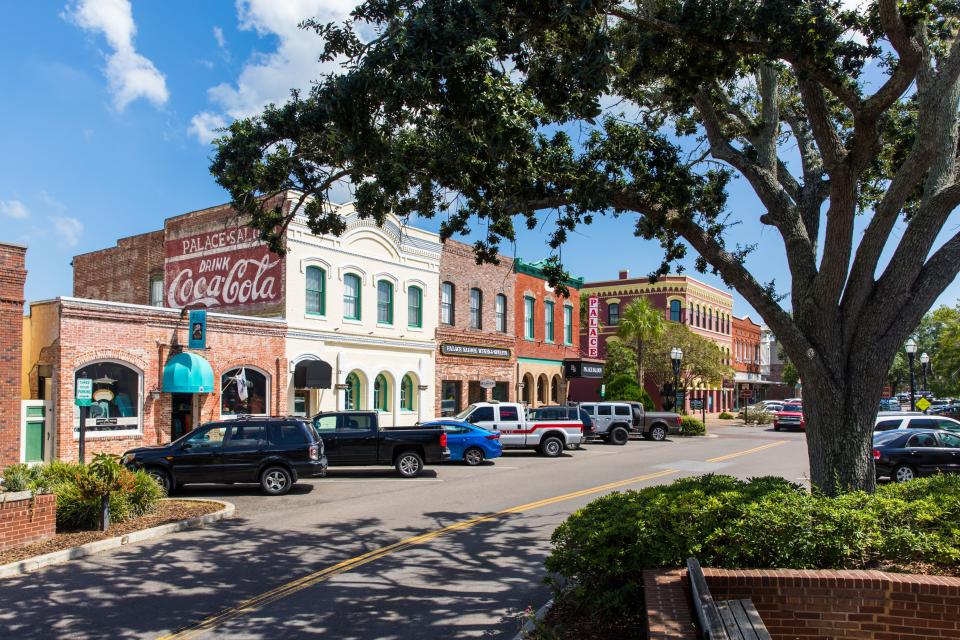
<point>226,268</point>
<point>593,326</point>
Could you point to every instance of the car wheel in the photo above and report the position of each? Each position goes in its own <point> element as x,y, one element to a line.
<point>551,447</point>
<point>161,477</point>
<point>658,433</point>
<point>409,464</point>
<point>276,481</point>
<point>619,436</point>
<point>473,456</point>
<point>903,473</point>
<point>776,427</point>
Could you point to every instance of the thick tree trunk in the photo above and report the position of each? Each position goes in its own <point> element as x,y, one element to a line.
<point>840,415</point>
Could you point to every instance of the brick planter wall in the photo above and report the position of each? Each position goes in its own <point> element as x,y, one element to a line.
<point>843,605</point>
<point>25,519</point>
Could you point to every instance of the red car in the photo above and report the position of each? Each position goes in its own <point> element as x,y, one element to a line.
<point>791,415</point>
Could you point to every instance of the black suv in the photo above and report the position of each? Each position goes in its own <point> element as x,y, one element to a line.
<point>274,452</point>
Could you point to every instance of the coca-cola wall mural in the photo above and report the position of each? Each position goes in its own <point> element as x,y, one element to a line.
<point>225,268</point>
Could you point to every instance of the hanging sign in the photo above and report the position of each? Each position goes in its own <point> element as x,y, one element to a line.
<point>593,326</point>
<point>198,329</point>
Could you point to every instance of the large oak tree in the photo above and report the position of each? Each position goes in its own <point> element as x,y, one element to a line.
<point>488,111</point>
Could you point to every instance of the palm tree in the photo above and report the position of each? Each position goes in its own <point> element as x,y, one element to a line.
<point>641,322</point>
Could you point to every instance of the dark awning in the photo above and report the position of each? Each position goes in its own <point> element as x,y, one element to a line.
<point>312,374</point>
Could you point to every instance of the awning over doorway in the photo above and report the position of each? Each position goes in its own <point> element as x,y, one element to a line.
<point>312,374</point>
<point>187,373</point>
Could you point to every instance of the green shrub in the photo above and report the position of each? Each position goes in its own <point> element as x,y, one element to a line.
<point>690,426</point>
<point>625,388</point>
<point>725,416</point>
<point>764,523</point>
<point>16,477</point>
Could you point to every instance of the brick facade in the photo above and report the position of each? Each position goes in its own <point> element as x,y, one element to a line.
<point>539,359</point>
<point>143,338</point>
<point>121,273</point>
<point>25,519</point>
<point>13,275</point>
<point>862,605</point>
<point>746,359</point>
<point>462,374</point>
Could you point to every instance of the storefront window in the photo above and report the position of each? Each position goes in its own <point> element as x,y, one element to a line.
<point>406,393</point>
<point>352,397</point>
<point>243,391</point>
<point>501,392</point>
<point>115,407</point>
<point>450,397</point>
<point>415,307</point>
<point>381,393</point>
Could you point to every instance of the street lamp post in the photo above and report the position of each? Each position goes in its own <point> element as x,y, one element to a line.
<point>676,355</point>
<point>911,348</point>
<point>924,363</point>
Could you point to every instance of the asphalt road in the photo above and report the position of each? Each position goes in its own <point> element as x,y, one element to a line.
<point>363,554</point>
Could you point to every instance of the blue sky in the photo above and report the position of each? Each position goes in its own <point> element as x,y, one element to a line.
<point>107,111</point>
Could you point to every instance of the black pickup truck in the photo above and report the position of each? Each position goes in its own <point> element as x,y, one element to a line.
<point>355,438</point>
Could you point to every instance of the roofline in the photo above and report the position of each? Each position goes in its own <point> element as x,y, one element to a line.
<point>601,283</point>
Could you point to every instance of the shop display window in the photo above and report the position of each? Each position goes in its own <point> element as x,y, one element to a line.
<point>115,407</point>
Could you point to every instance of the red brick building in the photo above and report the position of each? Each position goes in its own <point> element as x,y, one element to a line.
<point>13,275</point>
<point>137,357</point>
<point>547,330</point>
<point>475,337</point>
<point>706,310</point>
<point>746,361</point>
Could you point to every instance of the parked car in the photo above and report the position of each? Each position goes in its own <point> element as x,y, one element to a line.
<point>468,442</point>
<point>275,452</point>
<point>355,438</point>
<point>565,412</point>
<point>793,401</point>
<point>791,415</point>
<point>949,411</point>
<point>518,431</point>
<point>913,420</point>
<point>889,404</point>
<point>655,425</point>
<point>615,421</point>
<point>905,455</point>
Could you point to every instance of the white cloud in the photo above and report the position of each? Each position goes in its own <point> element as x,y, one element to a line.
<point>69,229</point>
<point>14,209</point>
<point>269,77</point>
<point>218,36</point>
<point>204,126</point>
<point>129,74</point>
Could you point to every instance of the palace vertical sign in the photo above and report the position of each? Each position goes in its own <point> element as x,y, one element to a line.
<point>593,326</point>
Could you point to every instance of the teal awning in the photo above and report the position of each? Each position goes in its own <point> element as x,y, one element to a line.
<point>187,373</point>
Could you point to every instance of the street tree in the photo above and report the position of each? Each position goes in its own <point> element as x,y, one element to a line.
<point>703,363</point>
<point>640,323</point>
<point>621,360</point>
<point>487,111</point>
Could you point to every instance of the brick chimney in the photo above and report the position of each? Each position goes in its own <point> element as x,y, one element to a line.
<point>13,275</point>
<point>624,274</point>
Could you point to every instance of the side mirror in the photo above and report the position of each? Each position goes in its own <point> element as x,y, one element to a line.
<point>186,445</point>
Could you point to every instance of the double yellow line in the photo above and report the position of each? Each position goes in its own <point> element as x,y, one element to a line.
<point>322,575</point>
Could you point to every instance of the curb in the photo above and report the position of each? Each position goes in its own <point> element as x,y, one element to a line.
<point>530,625</point>
<point>23,567</point>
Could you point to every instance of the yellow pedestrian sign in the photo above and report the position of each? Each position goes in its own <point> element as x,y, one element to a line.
<point>923,404</point>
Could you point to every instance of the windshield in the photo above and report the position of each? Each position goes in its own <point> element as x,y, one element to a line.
<point>792,407</point>
<point>463,414</point>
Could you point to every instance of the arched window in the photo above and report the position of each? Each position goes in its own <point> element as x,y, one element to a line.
<point>446,303</point>
<point>385,302</point>
<point>352,396</point>
<point>696,321</point>
<point>351,296</point>
<point>381,393</point>
<point>710,319</point>
<point>675,310</point>
<point>501,310</point>
<point>316,291</point>
<point>115,404</point>
<point>555,390</point>
<point>613,314</point>
<point>406,393</point>
<point>243,391</point>
<point>542,389</point>
<point>476,309</point>
<point>414,307</point>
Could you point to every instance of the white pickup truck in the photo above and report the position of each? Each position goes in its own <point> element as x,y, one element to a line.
<point>518,431</point>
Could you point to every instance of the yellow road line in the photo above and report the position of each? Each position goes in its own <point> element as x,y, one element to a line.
<point>322,575</point>
<point>747,452</point>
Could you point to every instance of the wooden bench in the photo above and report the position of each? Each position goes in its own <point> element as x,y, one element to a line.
<point>724,620</point>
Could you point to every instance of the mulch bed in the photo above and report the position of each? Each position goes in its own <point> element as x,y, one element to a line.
<point>567,622</point>
<point>167,511</point>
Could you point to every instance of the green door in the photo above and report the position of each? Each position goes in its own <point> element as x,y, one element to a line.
<point>34,434</point>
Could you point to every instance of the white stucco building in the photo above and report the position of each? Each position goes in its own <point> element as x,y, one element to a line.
<point>361,309</point>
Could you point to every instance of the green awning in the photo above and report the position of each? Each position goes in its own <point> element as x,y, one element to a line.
<point>187,373</point>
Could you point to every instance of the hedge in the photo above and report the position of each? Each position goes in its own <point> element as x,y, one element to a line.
<point>690,426</point>
<point>763,523</point>
<point>726,416</point>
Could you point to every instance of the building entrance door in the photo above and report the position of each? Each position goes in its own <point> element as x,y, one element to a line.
<point>181,415</point>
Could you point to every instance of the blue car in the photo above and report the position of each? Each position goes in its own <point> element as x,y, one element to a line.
<point>469,443</point>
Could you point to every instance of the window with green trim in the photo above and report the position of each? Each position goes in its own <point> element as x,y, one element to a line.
<point>316,291</point>
<point>528,320</point>
<point>384,302</point>
<point>415,307</point>
<point>351,396</point>
<point>567,324</point>
<point>351,296</point>
<point>548,320</point>
<point>381,393</point>
<point>406,393</point>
